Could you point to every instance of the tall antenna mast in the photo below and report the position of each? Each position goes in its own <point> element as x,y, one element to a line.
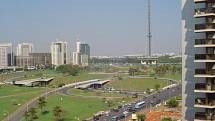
<point>149,27</point>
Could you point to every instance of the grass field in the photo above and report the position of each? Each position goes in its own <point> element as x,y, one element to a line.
<point>81,104</point>
<point>136,84</point>
<point>176,76</point>
<point>12,97</point>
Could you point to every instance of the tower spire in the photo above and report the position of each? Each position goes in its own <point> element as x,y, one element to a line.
<point>149,28</point>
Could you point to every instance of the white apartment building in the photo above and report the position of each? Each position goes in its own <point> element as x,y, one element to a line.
<point>59,53</point>
<point>76,58</point>
<point>23,49</point>
<point>6,56</point>
<point>198,60</point>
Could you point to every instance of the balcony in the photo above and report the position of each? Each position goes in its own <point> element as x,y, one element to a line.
<point>204,103</point>
<point>204,43</point>
<point>202,116</point>
<point>202,73</point>
<point>204,12</point>
<point>208,27</point>
<point>204,88</point>
<point>205,58</point>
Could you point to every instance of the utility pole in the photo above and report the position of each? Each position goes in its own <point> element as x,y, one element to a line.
<point>149,28</point>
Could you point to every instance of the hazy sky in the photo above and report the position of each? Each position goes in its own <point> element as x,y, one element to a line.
<point>111,27</point>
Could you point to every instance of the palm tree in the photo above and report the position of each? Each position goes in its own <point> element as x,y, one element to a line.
<point>33,113</point>
<point>157,86</point>
<point>57,112</point>
<point>42,102</point>
<point>141,117</point>
<point>26,115</point>
<point>148,91</point>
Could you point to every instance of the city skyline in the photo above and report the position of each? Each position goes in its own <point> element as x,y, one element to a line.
<point>101,24</point>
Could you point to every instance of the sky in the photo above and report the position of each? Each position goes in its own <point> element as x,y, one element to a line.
<point>110,27</point>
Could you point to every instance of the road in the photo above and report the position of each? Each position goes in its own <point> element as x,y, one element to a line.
<point>18,115</point>
<point>150,101</point>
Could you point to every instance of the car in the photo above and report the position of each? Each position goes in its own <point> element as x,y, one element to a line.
<point>115,110</point>
<point>114,118</point>
<point>122,117</point>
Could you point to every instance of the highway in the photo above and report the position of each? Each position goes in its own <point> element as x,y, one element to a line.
<point>150,101</point>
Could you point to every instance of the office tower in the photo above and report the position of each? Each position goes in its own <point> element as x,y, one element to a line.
<point>59,53</point>
<point>22,54</point>
<point>24,49</point>
<point>83,48</point>
<point>76,58</point>
<point>6,56</point>
<point>198,48</point>
<point>40,60</point>
<point>82,54</point>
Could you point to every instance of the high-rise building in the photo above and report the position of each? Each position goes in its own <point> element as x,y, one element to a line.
<point>22,54</point>
<point>6,56</point>
<point>76,58</point>
<point>198,62</point>
<point>59,53</point>
<point>82,54</point>
<point>24,49</point>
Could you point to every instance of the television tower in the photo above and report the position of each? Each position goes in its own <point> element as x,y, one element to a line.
<point>149,28</point>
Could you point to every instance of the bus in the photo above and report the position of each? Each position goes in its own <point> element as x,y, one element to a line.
<point>139,105</point>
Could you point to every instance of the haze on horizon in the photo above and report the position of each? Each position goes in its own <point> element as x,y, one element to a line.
<point>111,27</point>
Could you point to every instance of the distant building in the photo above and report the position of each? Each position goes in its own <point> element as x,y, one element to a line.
<point>40,60</point>
<point>83,48</point>
<point>6,56</point>
<point>82,54</point>
<point>22,61</point>
<point>59,55</point>
<point>24,49</point>
<point>76,58</point>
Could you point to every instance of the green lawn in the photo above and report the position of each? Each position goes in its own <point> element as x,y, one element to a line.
<point>77,106</point>
<point>12,97</point>
<point>136,84</point>
<point>176,76</point>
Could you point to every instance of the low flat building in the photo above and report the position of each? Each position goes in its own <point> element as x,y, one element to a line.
<point>41,82</point>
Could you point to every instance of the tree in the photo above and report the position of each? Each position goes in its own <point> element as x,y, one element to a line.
<point>110,103</point>
<point>33,113</point>
<point>157,87</point>
<point>172,103</point>
<point>58,113</point>
<point>68,69</point>
<point>148,91</point>
<point>42,103</point>
<point>132,71</point>
<point>27,115</point>
<point>141,117</point>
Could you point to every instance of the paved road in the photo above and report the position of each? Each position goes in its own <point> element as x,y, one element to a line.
<point>150,101</point>
<point>17,116</point>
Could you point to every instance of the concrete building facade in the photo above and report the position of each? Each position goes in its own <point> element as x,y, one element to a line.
<point>198,61</point>
<point>6,55</point>
<point>59,54</point>
<point>24,49</point>
<point>40,60</point>
<point>82,54</point>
